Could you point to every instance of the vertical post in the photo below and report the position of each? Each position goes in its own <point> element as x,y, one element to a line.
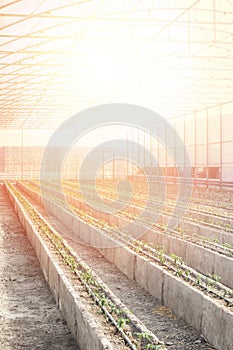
<point>133,163</point>
<point>76,166</point>
<point>207,147</point>
<point>214,15</point>
<point>22,157</point>
<point>189,34</point>
<point>185,170</point>
<point>221,148</point>
<point>174,148</point>
<point>166,156</point>
<point>138,177</point>
<point>144,146</point>
<point>158,177</point>
<point>151,150</point>
<point>138,145</point>
<point>195,148</point>
<point>113,166</point>
<point>176,178</point>
<point>103,165</point>
<point>127,155</point>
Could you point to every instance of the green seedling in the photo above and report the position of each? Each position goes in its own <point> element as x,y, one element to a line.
<point>151,346</point>
<point>87,276</point>
<point>179,273</point>
<point>104,302</point>
<point>143,335</point>
<point>114,309</point>
<point>179,230</point>
<point>155,347</point>
<point>177,260</point>
<point>122,322</point>
<point>209,283</point>
<point>215,277</point>
<point>227,245</point>
<point>161,257</point>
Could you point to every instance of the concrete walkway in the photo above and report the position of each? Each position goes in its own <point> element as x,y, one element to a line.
<point>29,318</point>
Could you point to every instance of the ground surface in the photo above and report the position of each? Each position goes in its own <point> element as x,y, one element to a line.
<point>29,318</point>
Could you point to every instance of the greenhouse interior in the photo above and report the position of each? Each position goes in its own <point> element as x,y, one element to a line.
<point>116,174</point>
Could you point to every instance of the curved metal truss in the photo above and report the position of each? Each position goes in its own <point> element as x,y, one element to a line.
<point>58,57</point>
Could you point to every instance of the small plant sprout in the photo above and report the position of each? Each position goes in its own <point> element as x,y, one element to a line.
<point>179,272</point>
<point>177,260</point>
<point>87,276</point>
<point>70,260</point>
<point>114,310</point>
<point>155,347</point>
<point>103,301</point>
<point>151,346</point>
<point>161,257</point>
<point>214,277</point>
<point>122,322</point>
<point>209,283</point>
<point>143,335</point>
<point>227,245</point>
<point>179,230</point>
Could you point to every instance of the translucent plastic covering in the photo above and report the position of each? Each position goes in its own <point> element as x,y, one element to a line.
<point>58,57</point>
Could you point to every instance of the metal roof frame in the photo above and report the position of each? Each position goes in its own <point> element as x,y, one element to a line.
<point>38,41</point>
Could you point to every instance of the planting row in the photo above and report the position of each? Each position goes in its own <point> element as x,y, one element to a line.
<point>211,201</point>
<point>207,232</point>
<point>203,228</point>
<point>176,243</point>
<point>158,318</point>
<point>134,333</point>
<point>187,301</point>
<point>197,298</point>
<point>209,215</point>
<point>132,213</point>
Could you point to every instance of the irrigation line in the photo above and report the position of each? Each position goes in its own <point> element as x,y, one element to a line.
<point>186,277</point>
<point>107,313</point>
<point>168,258</point>
<point>200,240</point>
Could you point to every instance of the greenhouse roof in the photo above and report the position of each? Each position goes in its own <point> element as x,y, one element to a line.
<point>58,57</point>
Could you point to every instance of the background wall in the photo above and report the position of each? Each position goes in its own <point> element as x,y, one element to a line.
<point>207,136</point>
